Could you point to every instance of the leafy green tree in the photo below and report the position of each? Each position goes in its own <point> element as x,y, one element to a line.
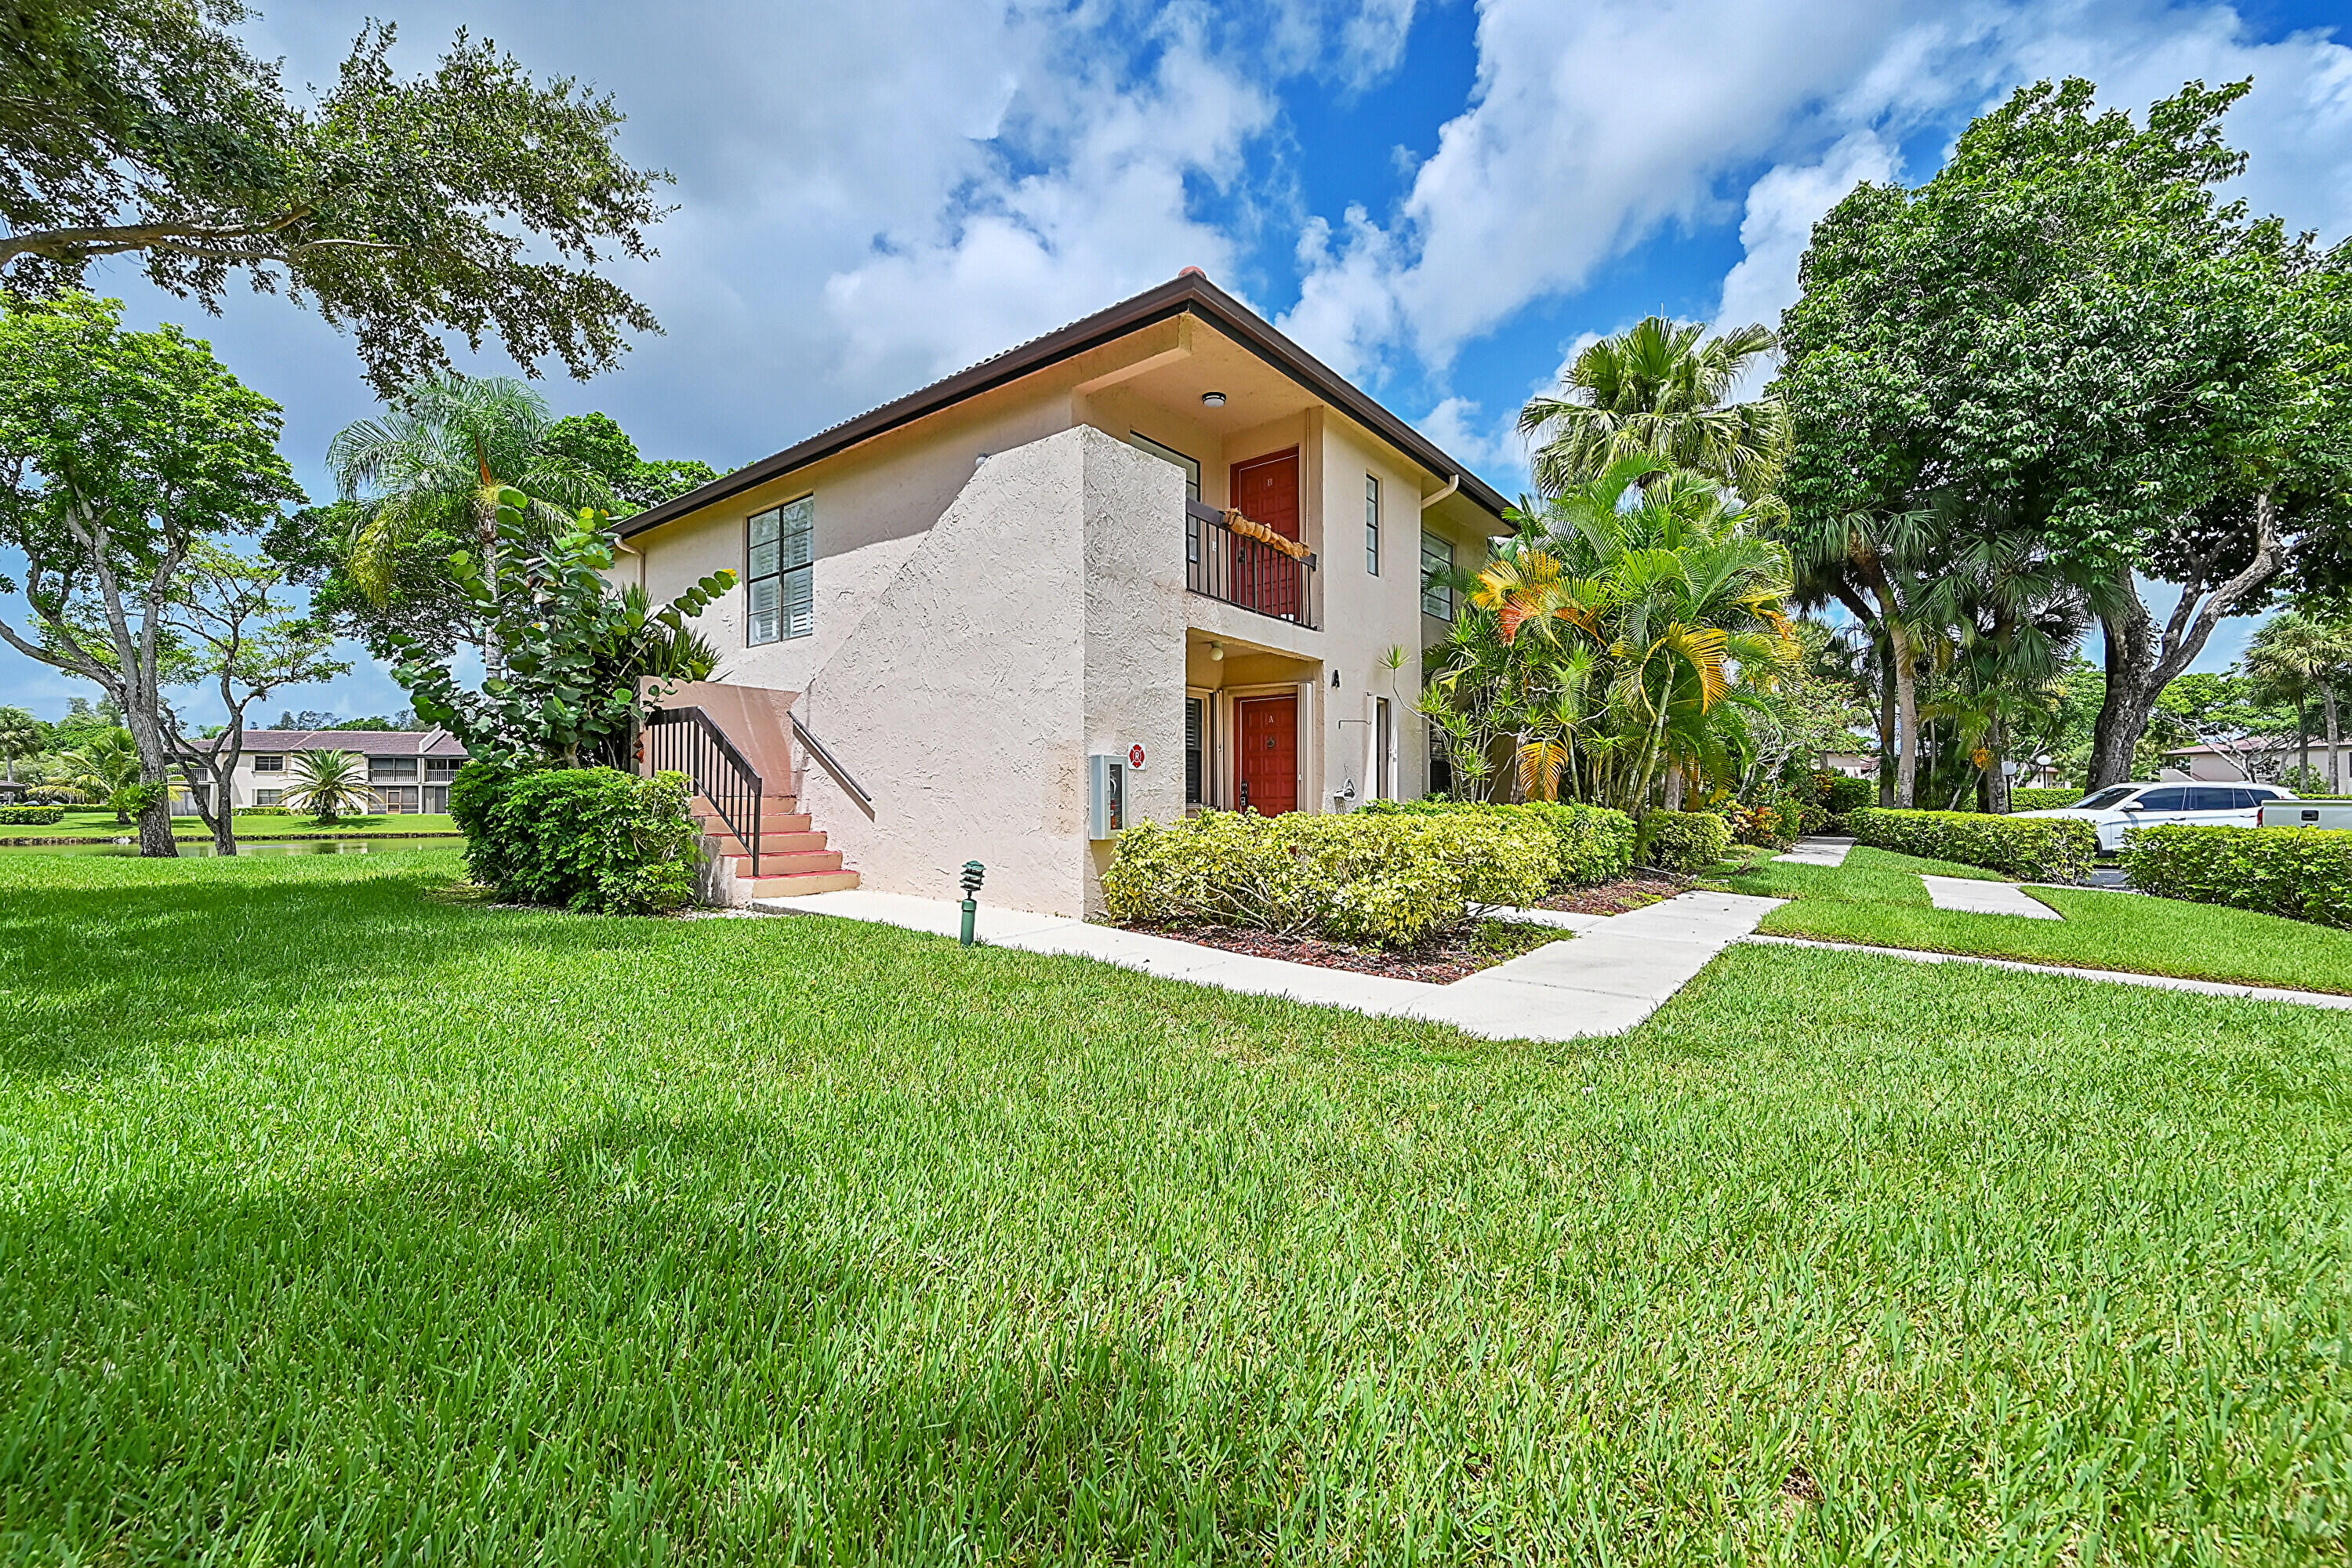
<point>597,443</point>
<point>1656,390</point>
<point>585,662</point>
<point>244,640</point>
<point>329,785</point>
<point>2068,330</point>
<point>472,201</point>
<point>104,768</point>
<point>21,736</point>
<point>121,453</point>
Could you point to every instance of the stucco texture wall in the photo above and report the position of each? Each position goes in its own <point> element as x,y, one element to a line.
<point>1041,620</point>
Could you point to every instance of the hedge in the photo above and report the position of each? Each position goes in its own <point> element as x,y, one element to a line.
<point>2303,873</point>
<point>2043,799</point>
<point>32,816</point>
<point>1595,843</point>
<point>1840,795</point>
<point>1386,878</point>
<point>593,840</point>
<point>2029,850</point>
<point>1684,841</point>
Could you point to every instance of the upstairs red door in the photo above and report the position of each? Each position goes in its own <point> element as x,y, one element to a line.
<point>1266,489</point>
<point>1269,761</point>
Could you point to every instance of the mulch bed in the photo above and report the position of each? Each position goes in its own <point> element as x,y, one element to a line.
<point>1473,948</point>
<point>1627,892</point>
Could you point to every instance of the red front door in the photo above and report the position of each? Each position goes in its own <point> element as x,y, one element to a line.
<point>1265,491</point>
<point>1269,765</point>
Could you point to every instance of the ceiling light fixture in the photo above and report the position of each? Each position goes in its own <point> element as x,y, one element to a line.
<point>1217,650</point>
<point>1212,400</point>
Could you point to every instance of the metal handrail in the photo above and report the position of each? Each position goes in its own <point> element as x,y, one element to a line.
<point>1222,564</point>
<point>686,741</point>
<point>850,786</point>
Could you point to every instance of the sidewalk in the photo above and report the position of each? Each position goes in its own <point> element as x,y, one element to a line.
<point>1613,975</point>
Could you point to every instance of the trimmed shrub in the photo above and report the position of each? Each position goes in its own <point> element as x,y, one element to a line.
<point>2032,851</point>
<point>265,811</point>
<point>593,840</point>
<point>1595,843</point>
<point>2303,873</point>
<point>1386,878</point>
<point>2043,799</point>
<point>32,816</point>
<point>1684,841</point>
<point>1840,796</point>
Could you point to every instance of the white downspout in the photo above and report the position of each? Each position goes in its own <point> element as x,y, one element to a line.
<point>1451,486</point>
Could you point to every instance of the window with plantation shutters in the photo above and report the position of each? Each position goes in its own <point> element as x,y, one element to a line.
<point>780,572</point>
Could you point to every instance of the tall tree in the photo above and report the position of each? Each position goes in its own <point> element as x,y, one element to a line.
<point>1657,390</point>
<point>596,443</point>
<point>121,453</point>
<point>2067,328</point>
<point>440,459</point>
<point>243,641</point>
<point>21,736</point>
<point>2297,656</point>
<point>472,201</point>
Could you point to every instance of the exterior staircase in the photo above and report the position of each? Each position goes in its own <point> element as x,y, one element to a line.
<point>792,856</point>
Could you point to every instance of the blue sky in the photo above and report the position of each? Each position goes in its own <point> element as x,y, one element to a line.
<point>1443,199</point>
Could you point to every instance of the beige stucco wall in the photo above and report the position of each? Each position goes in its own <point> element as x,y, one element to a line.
<point>1039,621</point>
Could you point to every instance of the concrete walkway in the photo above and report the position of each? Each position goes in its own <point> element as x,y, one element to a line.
<point>1818,851</point>
<point>2115,977</point>
<point>1985,898</point>
<point>1614,973</point>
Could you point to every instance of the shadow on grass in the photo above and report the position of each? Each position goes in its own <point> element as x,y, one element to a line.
<point>632,1341</point>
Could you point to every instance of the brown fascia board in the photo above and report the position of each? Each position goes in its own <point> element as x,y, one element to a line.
<point>1189,294</point>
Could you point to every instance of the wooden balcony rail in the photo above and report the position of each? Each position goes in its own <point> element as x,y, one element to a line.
<point>1222,564</point>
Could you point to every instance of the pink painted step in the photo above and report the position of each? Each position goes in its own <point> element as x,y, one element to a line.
<point>803,882</point>
<point>791,865</point>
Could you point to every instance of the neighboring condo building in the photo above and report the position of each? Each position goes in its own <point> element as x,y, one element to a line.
<point>408,770</point>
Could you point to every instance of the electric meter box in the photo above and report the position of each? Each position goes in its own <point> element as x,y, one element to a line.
<point>1105,797</point>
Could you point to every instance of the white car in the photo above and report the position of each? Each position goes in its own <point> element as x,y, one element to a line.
<point>2119,808</point>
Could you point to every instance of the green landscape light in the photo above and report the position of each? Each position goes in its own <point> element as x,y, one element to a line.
<point>972,873</point>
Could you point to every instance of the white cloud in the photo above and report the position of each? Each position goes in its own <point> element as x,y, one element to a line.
<point>1571,151</point>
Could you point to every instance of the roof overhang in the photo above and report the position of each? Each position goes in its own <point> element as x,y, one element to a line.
<point>1189,294</point>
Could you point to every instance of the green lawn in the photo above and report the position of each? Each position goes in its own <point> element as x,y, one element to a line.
<point>346,1221</point>
<point>79,824</point>
<point>1876,898</point>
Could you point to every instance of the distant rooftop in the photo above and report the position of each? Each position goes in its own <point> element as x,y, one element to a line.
<point>367,742</point>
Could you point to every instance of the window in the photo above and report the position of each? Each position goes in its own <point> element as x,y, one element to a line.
<point>391,770</point>
<point>269,763</point>
<point>1436,565</point>
<point>2213,799</point>
<point>267,797</point>
<point>2104,799</point>
<point>1441,763</point>
<point>1196,749</point>
<point>2165,800</point>
<point>441,769</point>
<point>1371,525</point>
<point>1191,466</point>
<point>781,571</point>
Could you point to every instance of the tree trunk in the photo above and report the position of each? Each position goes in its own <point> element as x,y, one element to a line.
<point>1907,716</point>
<point>2140,662</point>
<point>1996,796</point>
<point>155,838</point>
<point>2335,742</point>
<point>1885,726</point>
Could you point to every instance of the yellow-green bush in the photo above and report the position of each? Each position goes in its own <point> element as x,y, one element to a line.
<point>1384,879</point>
<point>2033,849</point>
<point>1595,843</point>
<point>1684,841</point>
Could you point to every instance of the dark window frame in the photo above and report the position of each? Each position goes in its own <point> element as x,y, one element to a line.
<point>790,568</point>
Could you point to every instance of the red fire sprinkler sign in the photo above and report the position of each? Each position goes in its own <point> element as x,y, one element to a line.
<point>1135,756</point>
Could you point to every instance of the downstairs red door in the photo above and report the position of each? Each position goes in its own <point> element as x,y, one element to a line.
<point>1269,761</point>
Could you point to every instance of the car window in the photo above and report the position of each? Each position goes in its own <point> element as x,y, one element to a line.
<point>2105,798</point>
<point>2165,800</point>
<point>2216,798</point>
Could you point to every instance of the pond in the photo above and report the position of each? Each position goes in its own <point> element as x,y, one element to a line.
<point>200,848</point>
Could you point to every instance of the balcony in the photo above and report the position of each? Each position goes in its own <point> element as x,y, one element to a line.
<point>1220,563</point>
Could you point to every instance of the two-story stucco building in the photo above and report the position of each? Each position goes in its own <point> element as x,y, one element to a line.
<point>408,770</point>
<point>1164,533</point>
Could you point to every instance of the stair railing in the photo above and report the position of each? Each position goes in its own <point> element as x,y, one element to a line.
<point>832,764</point>
<point>685,741</point>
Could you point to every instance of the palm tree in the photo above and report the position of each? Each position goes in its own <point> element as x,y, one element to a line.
<point>440,455</point>
<point>20,737</point>
<point>329,785</point>
<point>101,768</point>
<point>1878,568</point>
<point>1657,390</point>
<point>2294,656</point>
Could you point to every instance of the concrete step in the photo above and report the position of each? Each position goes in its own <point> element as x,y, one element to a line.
<point>793,886</point>
<point>771,822</point>
<point>794,865</point>
<point>725,843</point>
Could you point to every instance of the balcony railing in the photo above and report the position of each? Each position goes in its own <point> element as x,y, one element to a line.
<point>1222,564</point>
